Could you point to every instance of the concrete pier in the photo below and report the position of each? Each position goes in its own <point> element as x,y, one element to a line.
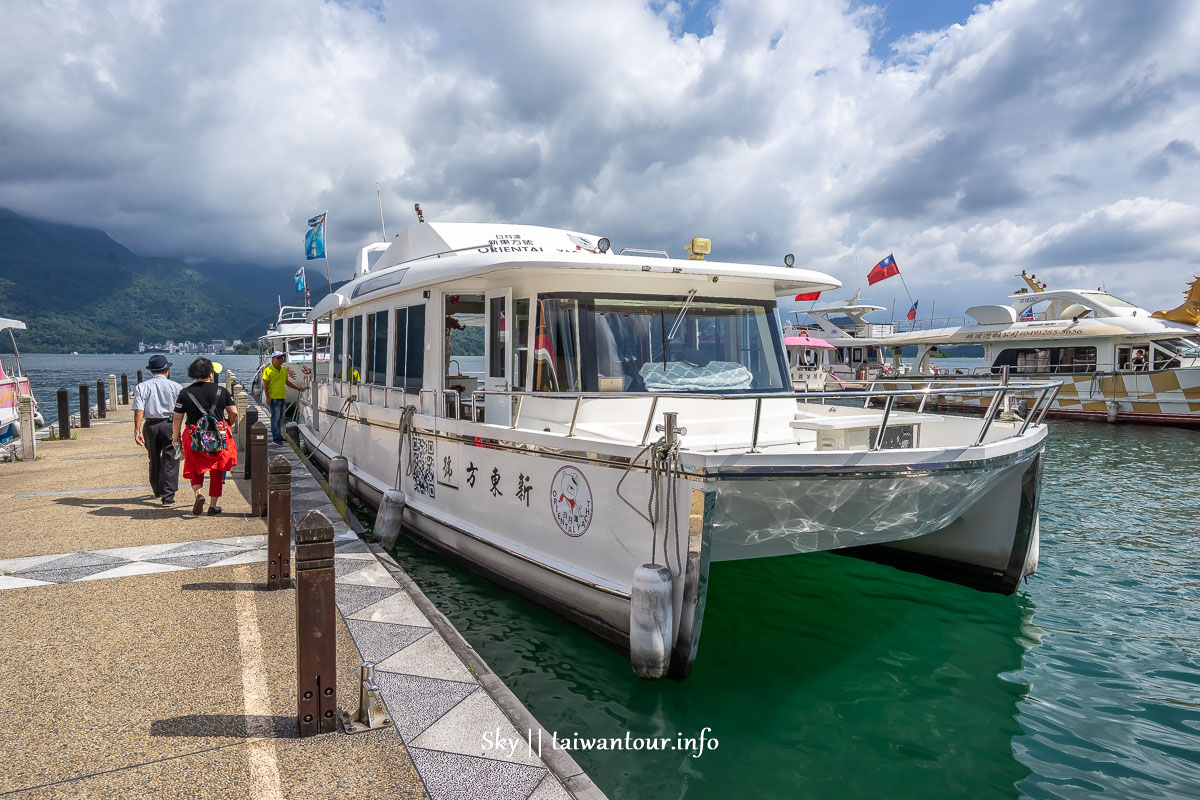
<point>145,657</point>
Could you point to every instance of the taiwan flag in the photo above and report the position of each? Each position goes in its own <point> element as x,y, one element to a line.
<point>884,269</point>
<point>808,296</point>
<point>912,312</point>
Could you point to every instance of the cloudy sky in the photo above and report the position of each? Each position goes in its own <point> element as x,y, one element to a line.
<point>1061,136</point>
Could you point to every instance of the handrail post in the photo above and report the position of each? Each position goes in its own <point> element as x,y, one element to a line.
<point>649,419</point>
<point>925,397</point>
<point>997,399</point>
<point>757,419</point>
<point>574,416</point>
<point>1049,402</point>
<point>517,411</point>
<point>870,393</point>
<point>887,412</point>
<point>476,397</point>
<point>1033,410</point>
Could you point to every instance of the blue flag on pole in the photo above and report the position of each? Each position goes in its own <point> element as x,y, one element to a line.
<point>299,278</point>
<point>314,240</point>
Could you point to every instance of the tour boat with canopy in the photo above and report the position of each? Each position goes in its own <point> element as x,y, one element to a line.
<point>292,335</point>
<point>631,420</point>
<point>1117,362</point>
<point>13,384</point>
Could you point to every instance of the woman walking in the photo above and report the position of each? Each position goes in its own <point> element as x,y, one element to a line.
<point>207,439</point>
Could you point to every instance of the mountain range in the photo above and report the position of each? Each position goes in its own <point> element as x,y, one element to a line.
<point>78,289</point>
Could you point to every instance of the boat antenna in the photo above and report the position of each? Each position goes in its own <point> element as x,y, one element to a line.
<point>379,197</point>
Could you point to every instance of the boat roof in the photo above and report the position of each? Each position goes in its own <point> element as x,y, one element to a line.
<point>429,253</point>
<point>806,341</point>
<point>15,324</point>
<point>1131,327</point>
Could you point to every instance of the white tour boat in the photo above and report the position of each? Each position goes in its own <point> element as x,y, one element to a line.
<point>292,335</point>
<point>631,420</point>
<point>1117,362</point>
<point>809,361</point>
<point>13,384</point>
<point>857,354</point>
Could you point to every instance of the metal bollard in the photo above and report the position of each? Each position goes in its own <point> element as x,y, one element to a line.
<point>258,470</point>
<point>26,427</point>
<point>101,403</point>
<point>372,714</point>
<point>279,524</point>
<point>64,413</point>
<point>124,389</point>
<point>251,418</point>
<point>316,667</point>
<point>112,392</point>
<point>85,407</point>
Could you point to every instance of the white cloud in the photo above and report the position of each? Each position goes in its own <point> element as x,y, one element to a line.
<point>1038,134</point>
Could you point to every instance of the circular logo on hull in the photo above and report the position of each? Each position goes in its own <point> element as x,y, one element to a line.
<point>571,501</point>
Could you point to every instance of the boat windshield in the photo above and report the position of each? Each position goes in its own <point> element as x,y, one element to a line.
<point>623,344</point>
<point>1108,300</point>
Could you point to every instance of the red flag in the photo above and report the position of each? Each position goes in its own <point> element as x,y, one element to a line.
<point>884,269</point>
<point>809,296</point>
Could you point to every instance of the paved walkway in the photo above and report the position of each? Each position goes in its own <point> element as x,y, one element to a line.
<point>143,656</point>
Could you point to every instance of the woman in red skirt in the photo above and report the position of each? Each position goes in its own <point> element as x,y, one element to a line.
<point>204,398</point>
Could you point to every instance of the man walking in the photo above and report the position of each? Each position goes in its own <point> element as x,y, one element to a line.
<point>275,379</point>
<point>153,406</point>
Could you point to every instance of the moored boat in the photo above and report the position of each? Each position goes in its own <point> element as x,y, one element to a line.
<point>631,411</point>
<point>292,335</point>
<point>1117,362</point>
<point>13,384</point>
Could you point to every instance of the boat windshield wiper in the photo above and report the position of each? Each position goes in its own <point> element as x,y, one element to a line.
<point>682,313</point>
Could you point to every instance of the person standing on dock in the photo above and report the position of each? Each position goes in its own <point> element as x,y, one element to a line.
<point>209,411</point>
<point>153,404</point>
<point>275,379</point>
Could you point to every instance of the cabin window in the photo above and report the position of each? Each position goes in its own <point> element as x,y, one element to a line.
<point>464,343</point>
<point>338,352</point>
<point>858,355</point>
<point>520,328</point>
<point>377,345</point>
<point>354,350</point>
<point>638,344</point>
<point>497,336</point>
<point>1051,360</point>
<point>1168,353</point>
<point>408,366</point>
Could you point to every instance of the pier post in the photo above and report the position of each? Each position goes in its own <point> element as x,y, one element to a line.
<point>112,392</point>
<point>64,413</point>
<point>243,400</point>
<point>279,524</point>
<point>85,407</point>
<point>139,376</point>
<point>258,470</point>
<point>101,403</point>
<point>244,444</point>
<point>316,668</point>
<point>124,389</point>
<point>339,478</point>
<point>26,427</point>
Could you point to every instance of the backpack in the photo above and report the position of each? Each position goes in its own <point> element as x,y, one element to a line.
<point>208,437</point>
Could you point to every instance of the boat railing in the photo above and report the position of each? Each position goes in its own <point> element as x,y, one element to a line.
<point>1002,394</point>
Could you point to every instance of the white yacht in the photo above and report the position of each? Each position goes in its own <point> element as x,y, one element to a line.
<point>13,384</point>
<point>809,361</point>
<point>631,410</point>
<point>1117,362</point>
<point>292,335</point>
<point>857,354</point>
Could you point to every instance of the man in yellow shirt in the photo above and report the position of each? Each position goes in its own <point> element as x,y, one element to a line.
<point>275,379</point>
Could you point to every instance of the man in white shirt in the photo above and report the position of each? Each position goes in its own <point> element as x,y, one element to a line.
<point>153,406</point>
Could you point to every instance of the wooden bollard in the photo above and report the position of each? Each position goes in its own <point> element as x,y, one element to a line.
<point>112,392</point>
<point>243,400</point>
<point>251,418</point>
<point>64,413</point>
<point>139,376</point>
<point>124,389</point>
<point>258,470</point>
<point>279,523</point>
<point>316,669</point>
<point>101,402</point>
<point>85,407</point>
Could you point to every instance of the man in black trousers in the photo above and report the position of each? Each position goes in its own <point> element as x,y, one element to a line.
<point>153,406</point>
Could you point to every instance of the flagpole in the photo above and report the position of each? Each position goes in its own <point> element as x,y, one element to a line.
<point>325,240</point>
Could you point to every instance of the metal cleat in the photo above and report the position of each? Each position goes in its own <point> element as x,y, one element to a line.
<point>371,712</point>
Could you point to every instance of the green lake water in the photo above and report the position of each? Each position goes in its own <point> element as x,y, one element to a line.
<point>824,676</point>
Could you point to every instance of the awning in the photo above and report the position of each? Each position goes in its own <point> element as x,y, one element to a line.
<point>806,341</point>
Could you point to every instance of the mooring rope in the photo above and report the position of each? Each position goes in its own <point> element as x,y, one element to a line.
<point>664,467</point>
<point>406,436</point>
